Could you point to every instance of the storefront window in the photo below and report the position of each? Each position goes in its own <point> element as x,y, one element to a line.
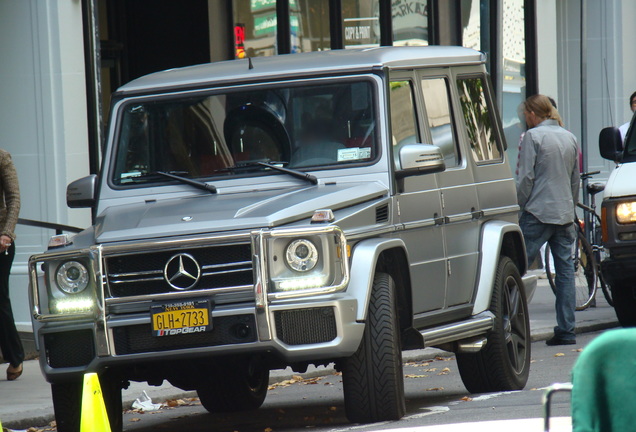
<point>471,24</point>
<point>410,22</point>
<point>514,76</point>
<point>361,20</point>
<point>309,22</point>
<point>255,24</point>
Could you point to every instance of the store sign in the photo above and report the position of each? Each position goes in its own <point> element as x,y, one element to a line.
<point>410,20</point>
<point>361,31</point>
<point>258,5</point>
<point>266,24</point>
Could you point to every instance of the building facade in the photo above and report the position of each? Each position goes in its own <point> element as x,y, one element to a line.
<point>61,59</point>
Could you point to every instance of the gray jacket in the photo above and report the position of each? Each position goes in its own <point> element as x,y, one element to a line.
<point>548,182</point>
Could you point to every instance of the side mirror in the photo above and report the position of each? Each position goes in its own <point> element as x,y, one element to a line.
<point>610,144</point>
<point>81,193</point>
<point>417,159</point>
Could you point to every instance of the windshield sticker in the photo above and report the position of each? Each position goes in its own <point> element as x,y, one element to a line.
<point>352,154</point>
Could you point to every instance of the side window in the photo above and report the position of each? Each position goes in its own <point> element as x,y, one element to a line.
<point>479,121</point>
<point>403,119</point>
<point>440,120</point>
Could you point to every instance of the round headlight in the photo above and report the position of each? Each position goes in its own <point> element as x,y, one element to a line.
<point>72,277</point>
<point>301,255</point>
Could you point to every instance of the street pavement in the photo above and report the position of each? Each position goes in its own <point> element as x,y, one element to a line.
<point>27,401</point>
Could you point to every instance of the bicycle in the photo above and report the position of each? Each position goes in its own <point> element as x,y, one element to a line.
<point>588,252</point>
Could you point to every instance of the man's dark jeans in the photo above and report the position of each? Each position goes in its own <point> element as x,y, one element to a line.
<point>561,239</point>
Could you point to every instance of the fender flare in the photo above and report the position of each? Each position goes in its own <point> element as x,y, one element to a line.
<point>363,264</point>
<point>491,246</point>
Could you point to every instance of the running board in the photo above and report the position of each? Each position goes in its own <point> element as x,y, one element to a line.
<point>477,325</point>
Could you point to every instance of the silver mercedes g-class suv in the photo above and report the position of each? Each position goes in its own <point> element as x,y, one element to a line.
<point>332,207</point>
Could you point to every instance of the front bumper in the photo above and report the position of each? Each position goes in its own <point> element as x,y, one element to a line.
<point>321,329</point>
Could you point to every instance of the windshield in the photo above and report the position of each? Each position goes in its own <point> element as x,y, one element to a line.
<point>224,134</point>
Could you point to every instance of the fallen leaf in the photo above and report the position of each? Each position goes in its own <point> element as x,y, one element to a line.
<point>559,355</point>
<point>577,350</point>
<point>415,376</point>
<point>444,371</point>
<point>466,399</point>
<point>268,430</point>
<point>430,370</point>
<point>135,419</point>
<point>333,408</point>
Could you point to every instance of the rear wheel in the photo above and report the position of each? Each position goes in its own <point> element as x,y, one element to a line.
<point>238,385</point>
<point>373,381</point>
<point>67,403</point>
<point>504,363</point>
<point>585,272</point>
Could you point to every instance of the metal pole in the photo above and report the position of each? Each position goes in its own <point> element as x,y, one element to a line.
<point>584,94</point>
<point>93,84</point>
<point>586,199</point>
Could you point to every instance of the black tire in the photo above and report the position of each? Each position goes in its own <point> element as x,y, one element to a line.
<point>372,378</point>
<point>585,272</point>
<point>237,385</point>
<point>504,363</point>
<point>625,303</point>
<point>67,403</point>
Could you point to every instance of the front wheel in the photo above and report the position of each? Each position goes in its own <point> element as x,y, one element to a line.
<point>625,303</point>
<point>585,272</point>
<point>372,377</point>
<point>504,363</point>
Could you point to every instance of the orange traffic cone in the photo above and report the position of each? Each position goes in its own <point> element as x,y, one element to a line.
<point>94,417</point>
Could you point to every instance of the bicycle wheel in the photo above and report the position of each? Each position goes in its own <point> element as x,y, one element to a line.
<point>607,293</point>
<point>585,272</point>
<point>599,255</point>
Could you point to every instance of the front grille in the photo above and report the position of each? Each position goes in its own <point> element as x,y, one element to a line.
<point>143,273</point>
<point>69,349</point>
<point>227,330</point>
<point>306,326</point>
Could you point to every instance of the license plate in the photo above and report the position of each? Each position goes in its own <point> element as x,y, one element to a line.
<point>180,317</point>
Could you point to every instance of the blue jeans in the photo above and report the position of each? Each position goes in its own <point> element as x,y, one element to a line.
<point>561,239</point>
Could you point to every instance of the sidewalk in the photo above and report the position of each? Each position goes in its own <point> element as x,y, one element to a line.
<point>27,401</point>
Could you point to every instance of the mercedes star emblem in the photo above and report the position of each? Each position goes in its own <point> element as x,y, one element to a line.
<point>182,271</point>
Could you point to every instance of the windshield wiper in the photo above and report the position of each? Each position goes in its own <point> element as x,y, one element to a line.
<point>272,165</point>
<point>197,184</point>
<point>294,173</point>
